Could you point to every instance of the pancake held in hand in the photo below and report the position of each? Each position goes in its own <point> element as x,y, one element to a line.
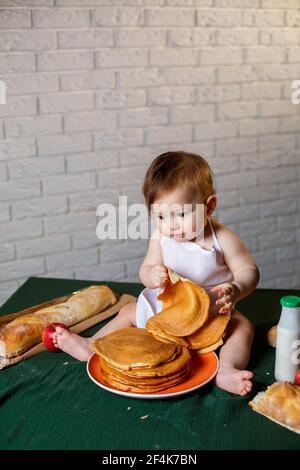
<point>129,348</point>
<point>210,333</point>
<point>164,337</point>
<point>186,307</point>
<point>210,348</point>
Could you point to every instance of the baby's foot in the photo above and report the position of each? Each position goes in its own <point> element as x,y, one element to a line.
<point>234,380</point>
<point>72,344</point>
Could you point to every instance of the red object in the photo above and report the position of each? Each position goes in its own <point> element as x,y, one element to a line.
<point>297,377</point>
<point>47,336</point>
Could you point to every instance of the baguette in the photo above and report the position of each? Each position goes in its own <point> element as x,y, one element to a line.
<point>22,333</point>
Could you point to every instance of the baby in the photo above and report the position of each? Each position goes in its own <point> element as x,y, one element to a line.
<point>198,248</point>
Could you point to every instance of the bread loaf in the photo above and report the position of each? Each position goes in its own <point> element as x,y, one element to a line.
<point>24,332</point>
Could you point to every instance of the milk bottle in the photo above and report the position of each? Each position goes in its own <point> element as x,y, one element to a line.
<point>287,360</point>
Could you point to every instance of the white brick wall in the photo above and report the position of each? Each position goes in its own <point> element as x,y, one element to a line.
<point>97,88</point>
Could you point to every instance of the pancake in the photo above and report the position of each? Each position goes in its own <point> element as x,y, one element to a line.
<point>130,348</point>
<point>210,348</point>
<point>163,370</point>
<point>156,357</point>
<point>116,383</point>
<point>131,359</point>
<point>165,338</point>
<point>185,319</point>
<point>210,333</point>
<point>124,378</point>
<point>185,309</point>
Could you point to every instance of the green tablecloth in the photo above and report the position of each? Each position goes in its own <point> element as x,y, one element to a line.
<point>49,402</point>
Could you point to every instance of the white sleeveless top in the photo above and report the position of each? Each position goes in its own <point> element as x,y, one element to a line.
<point>206,268</point>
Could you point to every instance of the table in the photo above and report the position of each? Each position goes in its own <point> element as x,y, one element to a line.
<point>49,402</point>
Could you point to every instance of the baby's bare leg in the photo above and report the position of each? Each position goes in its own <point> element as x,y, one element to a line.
<point>80,347</point>
<point>234,356</point>
<point>124,319</point>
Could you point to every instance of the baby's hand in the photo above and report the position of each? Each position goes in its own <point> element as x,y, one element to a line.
<point>228,294</point>
<point>159,275</point>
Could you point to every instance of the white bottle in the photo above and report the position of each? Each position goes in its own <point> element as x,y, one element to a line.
<point>288,340</point>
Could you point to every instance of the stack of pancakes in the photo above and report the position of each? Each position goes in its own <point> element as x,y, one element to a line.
<point>131,359</point>
<point>186,319</point>
<point>155,358</point>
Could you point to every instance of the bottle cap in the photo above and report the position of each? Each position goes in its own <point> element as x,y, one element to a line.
<point>290,301</point>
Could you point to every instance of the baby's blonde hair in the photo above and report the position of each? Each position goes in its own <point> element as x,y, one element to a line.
<point>177,169</point>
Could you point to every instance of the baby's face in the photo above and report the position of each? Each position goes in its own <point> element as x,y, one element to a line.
<point>179,216</point>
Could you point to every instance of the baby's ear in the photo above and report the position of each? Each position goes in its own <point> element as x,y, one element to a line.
<point>211,203</point>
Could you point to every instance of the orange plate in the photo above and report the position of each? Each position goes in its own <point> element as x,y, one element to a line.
<point>203,369</point>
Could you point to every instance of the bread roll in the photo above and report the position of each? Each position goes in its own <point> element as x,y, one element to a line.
<point>280,403</point>
<point>24,332</point>
<point>272,336</point>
